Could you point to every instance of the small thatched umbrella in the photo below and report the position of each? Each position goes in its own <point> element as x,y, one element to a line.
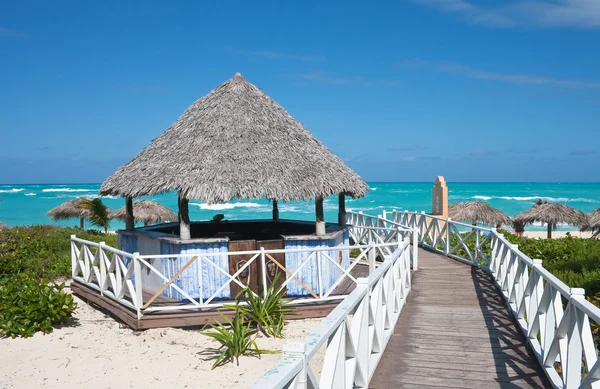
<point>146,211</point>
<point>71,209</point>
<point>477,211</point>
<point>236,142</point>
<point>551,214</point>
<point>3,226</point>
<point>593,223</point>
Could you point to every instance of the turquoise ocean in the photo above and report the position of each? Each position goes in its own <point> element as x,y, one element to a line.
<point>28,204</point>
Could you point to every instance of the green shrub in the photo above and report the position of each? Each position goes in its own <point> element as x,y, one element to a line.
<point>29,305</point>
<point>236,340</point>
<point>267,312</point>
<point>42,251</point>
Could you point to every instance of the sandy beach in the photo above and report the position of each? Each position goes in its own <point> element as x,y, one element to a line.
<point>557,234</point>
<point>98,352</point>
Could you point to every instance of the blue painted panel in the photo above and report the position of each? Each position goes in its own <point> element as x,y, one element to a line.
<point>309,273</point>
<point>128,243</point>
<point>189,281</point>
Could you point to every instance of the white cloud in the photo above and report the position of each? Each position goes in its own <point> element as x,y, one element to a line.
<point>511,78</point>
<point>583,14</point>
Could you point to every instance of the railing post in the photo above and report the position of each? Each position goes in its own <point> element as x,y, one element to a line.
<point>73,257</point>
<point>295,351</point>
<point>137,273</point>
<point>320,273</point>
<point>448,236</point>
<point>415,248</point>
<point>371,260</point>
<point>572,373</point>
<point>263,270</point>
<point>102,267</point>
<point>384,214</point>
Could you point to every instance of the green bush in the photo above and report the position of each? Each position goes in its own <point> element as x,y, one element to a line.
<point>267,312</point>
<point>574,261</point>
<point>29,305</point>
<point>42,251</point>
<point>236,340</point>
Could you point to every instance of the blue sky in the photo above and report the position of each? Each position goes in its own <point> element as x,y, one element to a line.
<point>401,90</point>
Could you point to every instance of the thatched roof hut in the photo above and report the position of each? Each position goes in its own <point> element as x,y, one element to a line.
<point>235,142</point>
<point>71,209</point>
<point>551,214</point>
<point>477,211</point>
<point>146,211</point>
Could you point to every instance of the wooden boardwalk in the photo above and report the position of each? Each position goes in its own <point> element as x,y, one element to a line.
<point>456,332</point>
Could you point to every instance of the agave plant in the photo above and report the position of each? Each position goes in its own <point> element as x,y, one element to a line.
<point>99,213</point>
<point>236,340</point>
<point>267,312</point>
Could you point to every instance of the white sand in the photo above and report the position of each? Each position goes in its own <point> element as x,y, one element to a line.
<point>100,353</point>
<point>557,234</point>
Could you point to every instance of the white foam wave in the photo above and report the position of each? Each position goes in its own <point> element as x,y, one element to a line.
<point>374,189</point>
<point>12,190</point>
<point>533,198</point>
<point>220,207</point>
<point>50,190</point>
<point>30,194</point>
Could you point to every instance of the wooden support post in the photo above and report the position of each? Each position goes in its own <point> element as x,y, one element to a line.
<point>275,211</point>
<point>129,223</point>
<point>320,228</point>
<point>342,209</point>
<point>184,219</point>
<point>81,225</point>
<point>549,230</point>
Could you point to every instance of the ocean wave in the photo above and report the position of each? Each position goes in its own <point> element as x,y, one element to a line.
<point>12,190</point>
<point>50,190</point>
<point>30,194</point>
<point>220,207</point>
<point>533,198</point>
<point>374,189</point>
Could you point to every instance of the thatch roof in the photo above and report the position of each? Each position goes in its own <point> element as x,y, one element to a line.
<point>592,221</point>
<point>236,142</point>
<point>551,213</point>
<point>147,212</point>
<point>3,226</point>
<point>477,211</point>
<point>70,209</point>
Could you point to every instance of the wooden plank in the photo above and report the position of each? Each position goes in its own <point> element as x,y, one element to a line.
<point>115,309</point>
<point>184,318</point>
<point>250,275</point>
<point>455,332</point>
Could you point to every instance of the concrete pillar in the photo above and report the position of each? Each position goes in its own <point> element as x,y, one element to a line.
<point>439,198</point>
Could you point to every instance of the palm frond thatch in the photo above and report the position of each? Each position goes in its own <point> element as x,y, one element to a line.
<point>3,226</point>
<point>476,212</point>
<point>147,212</point>
<point>552,214</point>
<point>70,209</point>
<point>236,142</point>
<point>593,223</point>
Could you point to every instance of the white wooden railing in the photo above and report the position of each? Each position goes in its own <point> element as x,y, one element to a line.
<point>124,277</point>
<point>554,317</point>
<point>367,228</point>
<point>355,333</point>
